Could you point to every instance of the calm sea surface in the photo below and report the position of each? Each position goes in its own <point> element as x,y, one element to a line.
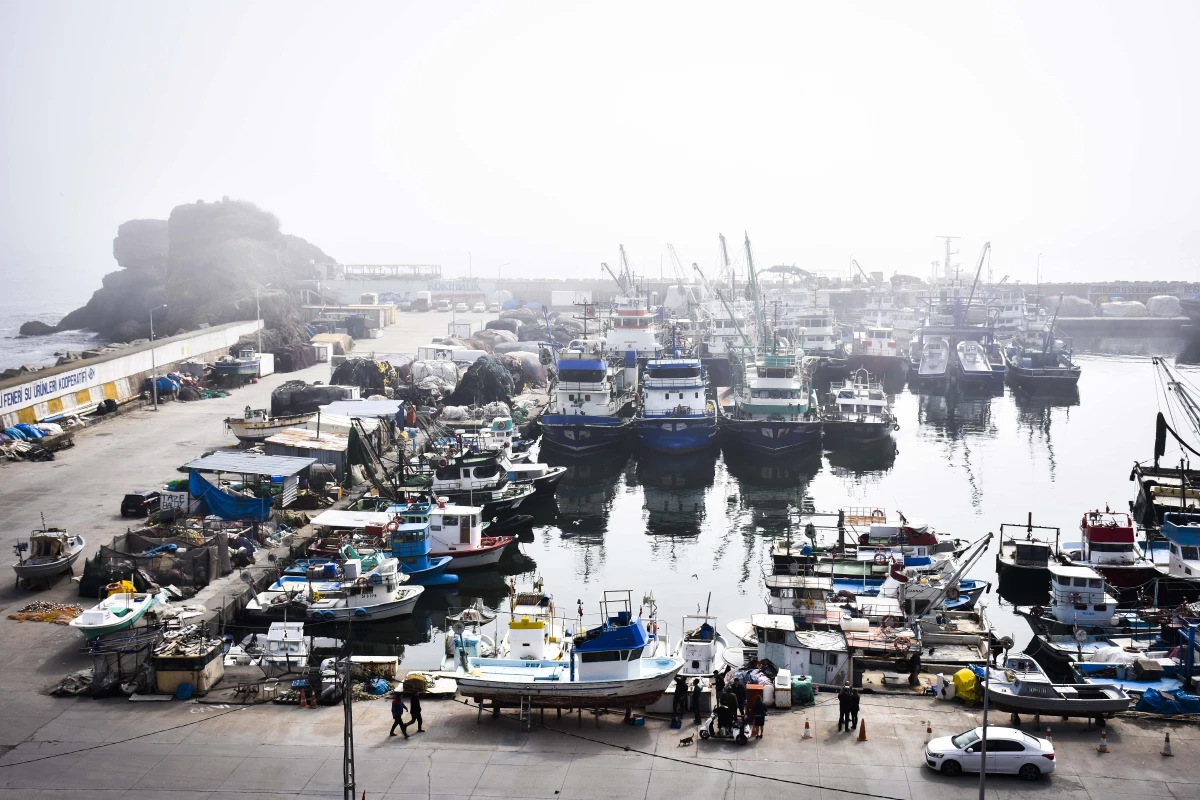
<point>685,528</point>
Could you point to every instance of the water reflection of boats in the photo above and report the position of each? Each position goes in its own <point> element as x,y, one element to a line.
<point>772,492</point>
<point>674,491</point>
<point>958,411</point>
<point>863,459</point>
<point>586,491</point>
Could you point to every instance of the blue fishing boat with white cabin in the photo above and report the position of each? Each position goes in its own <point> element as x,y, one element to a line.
<point>675,415</point>
<point>411,546</point>
<point>591,407</point>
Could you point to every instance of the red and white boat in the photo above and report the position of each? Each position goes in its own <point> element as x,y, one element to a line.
<point>1110,548</point>
<point>458,531</point>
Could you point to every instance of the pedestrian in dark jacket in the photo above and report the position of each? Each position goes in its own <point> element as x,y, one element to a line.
<point>844,708</point>
<point>398,710</point>
<point>414,709</point>
<point>696,692</point>
<point>739,691</point>
<point>758,713</point>
<point>855,699</point>
<point>719,681</point>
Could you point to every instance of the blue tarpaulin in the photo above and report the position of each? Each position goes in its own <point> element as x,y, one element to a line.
<point>1169,703</point>
<point>228,506</point>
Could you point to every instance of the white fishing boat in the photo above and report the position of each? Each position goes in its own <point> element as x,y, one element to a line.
<point>457,531</point>
<point>701,647</point>
<point>286,651</point>
<point>1079,598</point>
<point>49,552</point>
<point>331,592</point>
<point>256,424</point>
<point>120,610</point>
<point>935,360</point>
<point>973,365</point>
<point>604,668</point>
<point>534,633</point>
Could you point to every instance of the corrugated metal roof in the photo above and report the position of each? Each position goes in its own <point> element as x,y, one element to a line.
<point>362,408</point>
<point>308,440</point>
<point>250,463</point>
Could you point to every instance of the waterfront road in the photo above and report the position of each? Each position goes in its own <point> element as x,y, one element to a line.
<point>99,749</point>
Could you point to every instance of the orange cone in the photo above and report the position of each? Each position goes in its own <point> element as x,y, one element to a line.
<point>862,731</point>
<point>807,730</point>
<point>1166,751</point>
<point>928,731</point>
<point>1103,747</point>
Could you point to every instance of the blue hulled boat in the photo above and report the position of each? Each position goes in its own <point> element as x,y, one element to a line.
<point>411,546</point>
<point>588,408</point>
<point>771,411</point>
<point>675,415</point>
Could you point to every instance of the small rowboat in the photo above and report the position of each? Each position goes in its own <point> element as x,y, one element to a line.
<point>49,552</point>
<point>118,611</point>
<point>256,424</point>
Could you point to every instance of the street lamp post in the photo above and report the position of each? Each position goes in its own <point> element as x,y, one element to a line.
<point>153,362</point>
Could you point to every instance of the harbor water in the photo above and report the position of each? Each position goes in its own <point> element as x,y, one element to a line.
<point>686,527</point>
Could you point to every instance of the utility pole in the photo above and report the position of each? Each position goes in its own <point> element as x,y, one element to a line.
<point>347,735</point>
<point>946,265</point>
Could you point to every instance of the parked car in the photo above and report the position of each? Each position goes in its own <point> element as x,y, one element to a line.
<point>460,307</point>
<point>479,307</point>
<point>1008,751</point>
<point>443,305</point>
<point>140,503</point>
<point>406,305</point>
<point>494,308</point>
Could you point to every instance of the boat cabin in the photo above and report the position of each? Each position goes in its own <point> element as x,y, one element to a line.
<point>673,387</point>
<point>1078,596</point>
<point>613,650</point>
<point>471,473</point>
<point>286,646</point>
<point>860,398</point>
<point>1107,538</point>
<point>456,527</point>
<point>798,595</point>
<point>699,646</point>
<point>1182,532</point>
<point>1030,553</point>
<point>876,341</point>
<point>821,654</point>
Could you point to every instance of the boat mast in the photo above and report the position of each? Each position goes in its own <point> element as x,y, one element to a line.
<point>752,277</point>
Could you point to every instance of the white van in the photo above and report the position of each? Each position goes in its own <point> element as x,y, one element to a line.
<point>443,305</point>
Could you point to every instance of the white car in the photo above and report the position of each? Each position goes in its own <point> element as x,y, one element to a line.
<point>1008,751</point>
<point>494,308</point>
<point>479,308</point>
<point>460,307</point>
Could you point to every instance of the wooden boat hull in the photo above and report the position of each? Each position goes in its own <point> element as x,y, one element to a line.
<point>31,570</point>
<point>635,692</point>
<point>258,430</point>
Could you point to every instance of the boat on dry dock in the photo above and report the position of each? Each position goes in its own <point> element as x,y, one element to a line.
<point>49,552</point>
<point>257,424</point>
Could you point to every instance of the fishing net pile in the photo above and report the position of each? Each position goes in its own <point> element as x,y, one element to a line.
<point>43,611</point>
<point>491,378</point>
<point>370,376</point>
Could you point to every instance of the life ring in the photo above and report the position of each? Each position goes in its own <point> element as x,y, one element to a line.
<point>114,588</point>
<point>901,645</point>
<point>1076,597</point>
<point>896,426</point>
<point>953,593</point>
<point>888,621</point>
<point>808,602</point>
<point>1037,611</point>
<point>363,582</point>
<point>893,540</point>
<point>878,514</point>
<point>392,526</point>
<point>376,578</point>
<point>880,558</point>
<point>443,462</point>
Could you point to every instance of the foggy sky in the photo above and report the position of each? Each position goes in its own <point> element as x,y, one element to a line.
<point>543,135</point>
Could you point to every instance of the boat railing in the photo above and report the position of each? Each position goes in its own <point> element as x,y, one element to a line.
<point>677,411</point>
<point>580,386</point>
<point>652,382</point>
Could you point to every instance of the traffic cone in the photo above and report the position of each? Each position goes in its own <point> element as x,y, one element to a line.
<point>807,730</point>
<point>928,731</point>
<point>1103,747</point>
<point>862,731</point>
<point>1049,738</point>
<point>1166,751</point>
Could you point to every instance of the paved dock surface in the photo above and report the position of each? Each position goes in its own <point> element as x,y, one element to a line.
<point>110,749</point>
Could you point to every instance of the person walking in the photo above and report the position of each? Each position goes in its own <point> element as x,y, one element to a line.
<point>844,708</point>
<point>414,710</point>
<point>758,713</point>
<point>719,681</point>
<point>398,710</point>
<point>680,700</point>
<point>696,693</point>
<point>855,699</point>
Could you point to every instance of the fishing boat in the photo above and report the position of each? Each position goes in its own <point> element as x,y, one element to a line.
<point>49,552</point>
<point>1035,694</point>
<point>770,410</point>
<point>256,424</point>
<point>972,367</point>
<point>534,631</point>
<point>122,609</point>
<point>458,532</point>
<point>1178,579</point>
<point>603,669</point>
<point>333,592</point>
<point>1023,562</point>
<point>877,351</point>
<point>1043,363</point>
<point>674,415</point>
<point>701,646</point>
<point>1061,654</point>
<point>822,654</point>
<point>858,412</point>
<point>411,545</point>
<point>1079,599</point>
<point>1108,546</point>
<point>591,402</point>
<point>286,650</point>
<point>934,367</point>
<point>542,477</point>
<point>477,479</point>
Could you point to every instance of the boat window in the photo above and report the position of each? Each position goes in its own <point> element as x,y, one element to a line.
<point>774,395</point>
<point>1095,583</point>
<point>1174,549</point>
<point>474,521</point>
<point>816,657</point>
<point>635,653</point>
<point>466,473</point>
<point>486,471</point>
<point>446,474</point>
<point>1081,607</point>
<point>1100,607</point>
<point>602,655</point>
<point>774,636</point>
<point>449,521</point>
<point>1189,553</point>
<point>587,397</point>
<point>570,397</point>
<point>1081,582</point>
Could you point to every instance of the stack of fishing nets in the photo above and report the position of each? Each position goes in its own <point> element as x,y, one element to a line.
<point>43,611</point>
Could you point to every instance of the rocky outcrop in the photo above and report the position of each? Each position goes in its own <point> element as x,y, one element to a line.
<point>204,263</point>
<point>36,328</point>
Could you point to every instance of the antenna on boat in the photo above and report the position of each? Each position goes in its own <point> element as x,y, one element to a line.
<point>707,603</point>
